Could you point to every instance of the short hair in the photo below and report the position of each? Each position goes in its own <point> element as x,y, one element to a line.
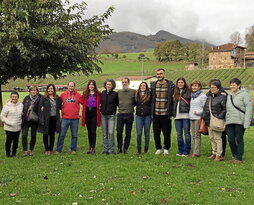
<point>14,93</point>
<point>33,87</point>
<point>196,82</point>
<point>111,81</point>
<point>160,69</point>
<point>216,83</point>
<point>126,78</point>
<point>72,82</point>
<point>236,81</point>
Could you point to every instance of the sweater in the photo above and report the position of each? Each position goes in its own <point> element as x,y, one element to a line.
<point>126,101</point>
<point>197,105</point>
<point>109,102</point>
<point>11,116</point>
<point>70,104</point>
<point>242,100</point>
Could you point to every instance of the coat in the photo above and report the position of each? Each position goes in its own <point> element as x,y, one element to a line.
<point>242,100</point>
<point>44,114</point>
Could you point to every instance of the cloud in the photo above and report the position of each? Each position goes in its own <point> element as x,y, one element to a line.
<point>212,21</point>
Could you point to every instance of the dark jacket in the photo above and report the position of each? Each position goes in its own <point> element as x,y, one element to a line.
<point>26,104</point>
<point>143,108</point>
<point>218,106</point>
<point>109,102</point>
<point>169,94</point>
<point>184,106</point>
<point>44,114</point>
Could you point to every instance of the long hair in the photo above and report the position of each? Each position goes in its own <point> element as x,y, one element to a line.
<point>146,96</point>
<point>177,93</point>
<point>54,92</point>
<point>87,91</point>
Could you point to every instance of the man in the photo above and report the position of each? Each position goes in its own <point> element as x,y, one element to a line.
<point>71,101</point>
<point>161,108</point>
<point>125,117</point>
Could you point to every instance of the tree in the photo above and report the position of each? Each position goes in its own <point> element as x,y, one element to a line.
<point>48,37</point>
<point>249,39</point>
<point>236,38</point>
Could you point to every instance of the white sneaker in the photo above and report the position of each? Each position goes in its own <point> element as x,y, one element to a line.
<point>179,155</point>
<point>184,155</point>
<point>165,152</point>
<point>158,151</point>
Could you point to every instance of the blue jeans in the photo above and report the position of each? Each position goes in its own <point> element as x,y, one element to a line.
<point>65,123</point>
<point>183,125</point>
<point>146,123</point>
<point>108,124</point>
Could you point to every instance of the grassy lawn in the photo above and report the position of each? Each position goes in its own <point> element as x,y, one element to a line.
<point>124,179</point>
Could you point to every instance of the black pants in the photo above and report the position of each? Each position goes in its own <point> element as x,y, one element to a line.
<point>91,125</point>
<point>162,123</point>
<point>11,138</point>
<point>25,129</point>
<point>127,120</point>
<point>49,139</point>
<point>224,142</point>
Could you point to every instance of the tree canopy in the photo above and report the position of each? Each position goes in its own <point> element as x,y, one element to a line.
<point>249,39</point>
<point>40,37</point>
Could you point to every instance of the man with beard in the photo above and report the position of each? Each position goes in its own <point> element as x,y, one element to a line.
<point>125,117</point>
<point>161,109</point>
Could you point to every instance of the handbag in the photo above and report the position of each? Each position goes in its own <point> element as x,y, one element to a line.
<point>203,129</point>
<point>252,120</point>
<point>216,124</point>
<point>33,117</point>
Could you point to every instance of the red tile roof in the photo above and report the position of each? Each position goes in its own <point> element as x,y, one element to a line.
<point>225,47</point>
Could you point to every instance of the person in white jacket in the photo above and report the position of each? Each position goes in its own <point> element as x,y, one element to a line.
<point>11,116</point>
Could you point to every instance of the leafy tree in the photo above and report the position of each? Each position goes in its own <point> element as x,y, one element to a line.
<point>249,39</point>
<point>236,38</point>
<point>40,37</point>
<point>142,57</point>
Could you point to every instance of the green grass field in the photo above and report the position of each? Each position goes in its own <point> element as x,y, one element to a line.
<point>124,179</point>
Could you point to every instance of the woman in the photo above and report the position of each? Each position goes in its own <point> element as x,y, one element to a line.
<point>198,99</point>
<point>91,113</point>
<point>49,117</point>
<point>238,118</point>
<point>109,103</point>
<point>143,115</point>
<point>216,102</point>
<point>11,116</point>
<point>181,108</point>
<point>30,119</point>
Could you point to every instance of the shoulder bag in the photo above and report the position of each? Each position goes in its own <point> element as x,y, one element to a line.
<point>216,124</point>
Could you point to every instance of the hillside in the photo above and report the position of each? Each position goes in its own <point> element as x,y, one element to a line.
<point>127,42</point>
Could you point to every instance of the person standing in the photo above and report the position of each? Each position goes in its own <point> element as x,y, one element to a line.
<point>181,114</point>
<point>162,110</point>
<point>125,117</point>
<point>91,113</point>
<point>215,104</point>
<point>109,103</point>
<point>30,119</point>
<point>71,101</point>
<point>143,115</point>
<point>11,116</point>
<point>49,117</point>
<point>198,99</point>
<point>238,118</point>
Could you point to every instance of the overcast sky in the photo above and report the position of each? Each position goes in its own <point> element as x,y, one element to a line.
<point>209,20</point>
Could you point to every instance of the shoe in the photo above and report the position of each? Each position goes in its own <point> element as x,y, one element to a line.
<point>235,161</point>
<point>92,151</point>
<point>13,155</point>
<point>158,151</point>
<point>218,158</point>
<point>73,152</point>
<point>111,152</point>
<point>105,152</point>
<point>194,155</point>
<point>179,155</point>
<point>139,150</point>
<point>31,153</point>
<point>25,154</point>
<point>47,153</point>
<point>165,152</point>
<point>57,153</point>
<point>185,155</point>
<point>146,149</point>
<point>212,156</point>
<point>8,155</point>
<point>125,151</point>
<point>119,151</point>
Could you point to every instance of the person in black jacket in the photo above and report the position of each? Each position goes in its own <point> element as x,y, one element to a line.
<point>162,110</point>
<point>109,103</point>
<point>181,114</point>
<point>49,117</point>
<point>216,100</point>
<point>143,115</point>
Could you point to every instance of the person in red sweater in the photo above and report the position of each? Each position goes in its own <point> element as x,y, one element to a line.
<point>91,113</point>
<point>71,101</point>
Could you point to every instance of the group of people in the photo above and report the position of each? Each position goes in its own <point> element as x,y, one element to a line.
<point>50,114</point>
